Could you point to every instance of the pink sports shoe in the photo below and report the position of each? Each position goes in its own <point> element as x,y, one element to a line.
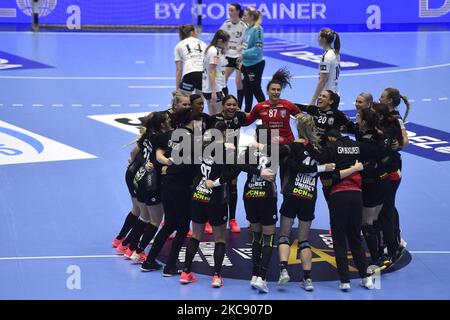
<point>187,277</point>
<point>217,281</point>
<point>121,249</point>
<point>116,242</point>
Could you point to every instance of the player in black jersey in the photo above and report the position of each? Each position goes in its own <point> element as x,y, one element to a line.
<point>260,202</point>
<point>234,119</point>
<point>209,200</point>
<point>133,215</point>
<point>373,186</point>
<point>299,197</point>
<point>180,101</point>
<point>345,200</point>
<point>146,182</point>
<point>176,185</point>
<point>327,116</point>
<point>388,218</point>
<point>198,104</point>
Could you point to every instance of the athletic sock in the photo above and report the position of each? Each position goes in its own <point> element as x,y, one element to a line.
<point>191,250</point>
<point>283,265</point>
<point>219,255</point>
<point>266,255</point>
<point>135,234</point>
<point>149,232</point>
<point>306,274</point>
<point>127,225</point>
<point>256,252</point>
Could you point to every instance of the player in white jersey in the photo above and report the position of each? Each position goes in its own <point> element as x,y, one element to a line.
<point>235,27</point>
<point>189,54</point>
<point>214,71</point>
<point>329,63</point>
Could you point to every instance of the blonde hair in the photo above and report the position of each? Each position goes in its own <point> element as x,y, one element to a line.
<point>177,95</point>
<point>306,128</point>
<point>256,15</point>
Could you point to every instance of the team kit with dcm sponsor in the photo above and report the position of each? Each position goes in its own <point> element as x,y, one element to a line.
<point>197,194</point>
<point>363,173</point>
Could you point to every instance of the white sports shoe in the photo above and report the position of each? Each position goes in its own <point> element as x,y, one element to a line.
<point>345,286</point>
<point>284,277</point>
<point>367,283</point>
<point>253,281</point>
<point>261,285</point>
<point>307,284</point>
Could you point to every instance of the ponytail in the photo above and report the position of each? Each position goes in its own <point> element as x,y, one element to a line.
<point>282,77</point>
<point>185,31</point>
<point>256,16</point>
<point>408,106</point>
<point>332,37</point>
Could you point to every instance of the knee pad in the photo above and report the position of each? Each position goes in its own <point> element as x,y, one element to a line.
<point>304,245</point>
<point>268,240</point>
<point>284,240</point>
<point>257,237</point>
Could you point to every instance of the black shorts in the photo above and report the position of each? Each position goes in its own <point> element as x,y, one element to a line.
<point>373,193</point>
<point>129,176</point>
<point>297,207</point>
<point>150,198</point>
<point>216,214</point>
<point>220,96</point>
<point>262,211</point>
<point>192,81</point>
<point>232,63</point>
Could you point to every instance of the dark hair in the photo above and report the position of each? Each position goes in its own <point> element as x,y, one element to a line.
<point>282,77</point>
<point>185,116</point>
<point>228,97</point>
<point>394,94</point>
<point>220,125</point>
<point>331,36</point>
<point>219,35</point>
<point>388,123</point>
<point>194,97</point>
<point>333,133</point>
<point>185,30</point>
<point>370,118</point>
<point>238,7</point>
<point>335,97</point>
<point>152,123</point>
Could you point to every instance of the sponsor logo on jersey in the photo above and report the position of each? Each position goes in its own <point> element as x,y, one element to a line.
<point>238,258</point>
<point>9,61</point>
<point>424,141</point>
<point>311,57</point>
<point>18,145</point>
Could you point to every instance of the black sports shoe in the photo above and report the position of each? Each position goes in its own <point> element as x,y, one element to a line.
<point>169,271</point>
<point>150,265</point>
<point>398,254</point>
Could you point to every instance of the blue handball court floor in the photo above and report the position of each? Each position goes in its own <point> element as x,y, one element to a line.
<point>68,102</point>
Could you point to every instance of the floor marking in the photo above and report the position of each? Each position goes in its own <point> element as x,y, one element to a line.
<point>37,105</point>
<point>151,87</point>
<point>57,105</point>
<point>96,105</point>
<point>444,98</point>
<point>426,99</point>
<point>140,62</point>
<point>101,256</point>
<point>114,105</point>
<point>444,65</point>
<point>134,105</point>
<point>77,105</point>
<point>17,105</point>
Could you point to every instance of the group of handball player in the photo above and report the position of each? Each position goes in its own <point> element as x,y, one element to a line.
<point>183,169</point>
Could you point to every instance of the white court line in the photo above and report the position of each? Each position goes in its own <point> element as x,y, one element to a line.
<point>426,99</point>
<point>140,62</point>
<point>173,78</point>
<point>96,105</point>
<point>37,105</point>
<point>77,105</point>
<point>151,87</point>
<point>134,105</point>
<point>114,105</point>
<point>154,105</point>
<point>17,105</point>
<point>57,105</point>
<point>120,256</point>
<point>444,98</point>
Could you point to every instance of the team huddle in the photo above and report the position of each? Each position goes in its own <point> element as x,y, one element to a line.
<point>167,176</point>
